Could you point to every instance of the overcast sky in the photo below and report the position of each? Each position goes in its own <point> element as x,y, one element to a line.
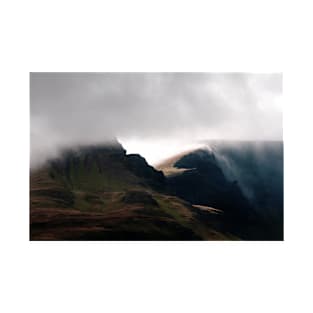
<point>154,114</point>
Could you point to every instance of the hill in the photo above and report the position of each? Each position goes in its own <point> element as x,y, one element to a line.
<point>101,193</point>
<point>223,191</point>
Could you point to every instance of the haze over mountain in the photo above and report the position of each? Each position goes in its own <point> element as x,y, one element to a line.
<point>244,179</point>
<point>85,185</point>
<point>154,114</point>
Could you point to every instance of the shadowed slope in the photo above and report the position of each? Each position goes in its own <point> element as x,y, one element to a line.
<point>220,177</point>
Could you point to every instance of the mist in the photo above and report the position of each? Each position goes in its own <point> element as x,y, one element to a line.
<point>154,114</point>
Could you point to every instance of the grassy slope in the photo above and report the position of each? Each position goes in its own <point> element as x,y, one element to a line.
<point>90,202</point>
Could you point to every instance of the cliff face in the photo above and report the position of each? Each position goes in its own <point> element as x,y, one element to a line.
<point>153,178</point>
<point>98,168</point>
<point>258,169</point>
<point>243,179</point>
<point>205,184</point>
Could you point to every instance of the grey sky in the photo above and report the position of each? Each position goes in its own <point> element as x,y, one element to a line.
<point>77,108</point>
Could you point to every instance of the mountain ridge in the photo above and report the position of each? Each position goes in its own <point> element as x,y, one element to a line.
<point>99,192</point>
<point>255,166</point>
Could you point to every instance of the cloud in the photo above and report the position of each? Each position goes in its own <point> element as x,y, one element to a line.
<point>76,108</point>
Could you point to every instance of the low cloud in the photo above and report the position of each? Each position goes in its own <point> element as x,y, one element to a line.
<point>67,109</point>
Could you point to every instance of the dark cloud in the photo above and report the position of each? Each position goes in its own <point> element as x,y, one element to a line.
<point>72,108</point>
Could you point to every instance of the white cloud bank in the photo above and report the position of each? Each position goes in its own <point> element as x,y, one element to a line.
<point>154,113</point>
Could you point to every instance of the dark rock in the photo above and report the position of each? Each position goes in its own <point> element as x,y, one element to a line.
<point>139,166</point>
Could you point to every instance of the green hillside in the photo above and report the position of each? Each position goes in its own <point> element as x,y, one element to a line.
<point>100,193</point>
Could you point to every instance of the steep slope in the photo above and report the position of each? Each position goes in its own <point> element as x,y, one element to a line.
<point>258,168</point>
<point>205,184</point>
<point>221,175</point>
<point>100,193</point>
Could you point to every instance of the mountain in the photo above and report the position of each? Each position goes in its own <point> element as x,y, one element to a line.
<point>258,168</point>
<point>242,179</point>
<point>98,192</point>
<point>223,191</point>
